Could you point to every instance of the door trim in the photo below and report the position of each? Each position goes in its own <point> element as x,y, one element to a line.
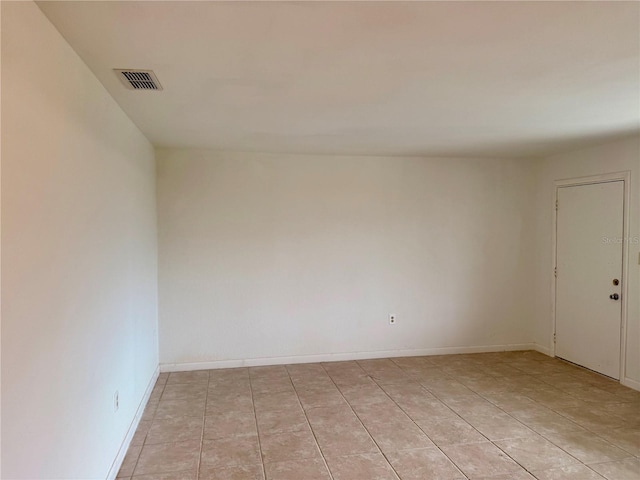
<point>625,177</point>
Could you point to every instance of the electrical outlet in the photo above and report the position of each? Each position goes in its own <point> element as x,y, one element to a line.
<point>116,401</point>
<point>392,319</point>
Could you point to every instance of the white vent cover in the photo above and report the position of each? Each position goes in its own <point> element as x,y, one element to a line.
<point>139,79</point>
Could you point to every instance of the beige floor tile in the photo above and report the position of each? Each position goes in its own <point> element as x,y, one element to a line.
<point>560,380</point>
<point>450,431</point>
<point>186,407</point>
<point>334,367</point>
<point>367,394</point>
<point>184,391</point>
<point>141,432</point>
<point>229,374</point>
<point>283,447</point>
<point>320,398</point>
<point>587,447</point>
<point>499,427</point>
<point>625,438</point>
<point>198,376</point>
<point>391,378</point>
<point>427,410</point>
<point>319,382</point>
<point>471,405</point>
<point>238,472</point>
<point>271,402</point>
<point>514,402</point>
<point>330,416</point>
<point>570,472</point>
<point>130,460</point>
<point>229,424</point>
<point>175,429</point>
<point>230,452</point>
<point>593,418</point>
<point>555,399</point>
<point>371,466</point>
<point>346,438</point>
<point>625,410</point>
<point>228,386</point>
<point>292,420</point>
<point>536,453</point>
<point>342,379</point>
<point>270,371</point>
<point>547,422</point>
<point>271,385</point>
<point>168,458</point>
<point>426,463</point>
<point>462,403</point>
<point>167,476</point>
<point>500,370</point>
<point>591,394</point>
<point>625,393</point>
<point>429,375</point>
<point>297,370</point>
<point>445,389</point>
<point>380,413</point>
<point>465,372</point>
<point>150,411</point>
<point>521,474</point>
<point>477,460</point>
<point>307,469</point>
<point>229,395</point>
<point>392,437</point>
<point>407,391</point>
<point>628,469</point>
<point>408,362</point>
<point>226,403</point>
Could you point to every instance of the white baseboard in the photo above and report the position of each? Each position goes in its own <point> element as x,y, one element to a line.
<point>117,463</point>
<point>627,382</point>
<point>338,357</point>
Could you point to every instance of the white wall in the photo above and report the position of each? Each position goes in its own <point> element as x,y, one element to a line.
<point>79,259</point>
<point>280,256</point>
<point>618,156</point>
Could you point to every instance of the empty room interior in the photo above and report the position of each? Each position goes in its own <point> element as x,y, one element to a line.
<point>320,240</point>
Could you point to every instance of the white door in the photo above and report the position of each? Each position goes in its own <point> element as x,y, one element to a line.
<point>589,275</point>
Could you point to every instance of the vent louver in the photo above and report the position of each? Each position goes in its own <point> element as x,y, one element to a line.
<point>139,79</point>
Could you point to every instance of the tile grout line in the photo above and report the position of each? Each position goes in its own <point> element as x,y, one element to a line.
<point>543,435</point>
<point>441,400</point>
<point>304,412</point>
<point>579,462</point>
<point>361,423</point>
<point>204,420</point>
<point>565,392</point>
<point>413,421</point>
<point>477,388</point>
<point>153,417</point>
<point>255,419</point>
<point>498,407</point>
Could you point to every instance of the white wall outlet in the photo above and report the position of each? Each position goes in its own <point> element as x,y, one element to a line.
<point>116,401</point>
<point>392,318</point>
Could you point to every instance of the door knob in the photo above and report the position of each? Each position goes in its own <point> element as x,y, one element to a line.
<point>614,296</point>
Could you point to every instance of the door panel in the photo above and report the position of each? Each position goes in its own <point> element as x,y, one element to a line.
<point>589,258</point>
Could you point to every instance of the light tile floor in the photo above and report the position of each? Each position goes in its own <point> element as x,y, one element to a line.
<point>512,415</point>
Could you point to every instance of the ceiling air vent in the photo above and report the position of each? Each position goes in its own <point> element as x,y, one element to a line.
<point>139,79</point>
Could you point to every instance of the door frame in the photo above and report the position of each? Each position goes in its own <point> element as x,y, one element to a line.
<point>625,177</point>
